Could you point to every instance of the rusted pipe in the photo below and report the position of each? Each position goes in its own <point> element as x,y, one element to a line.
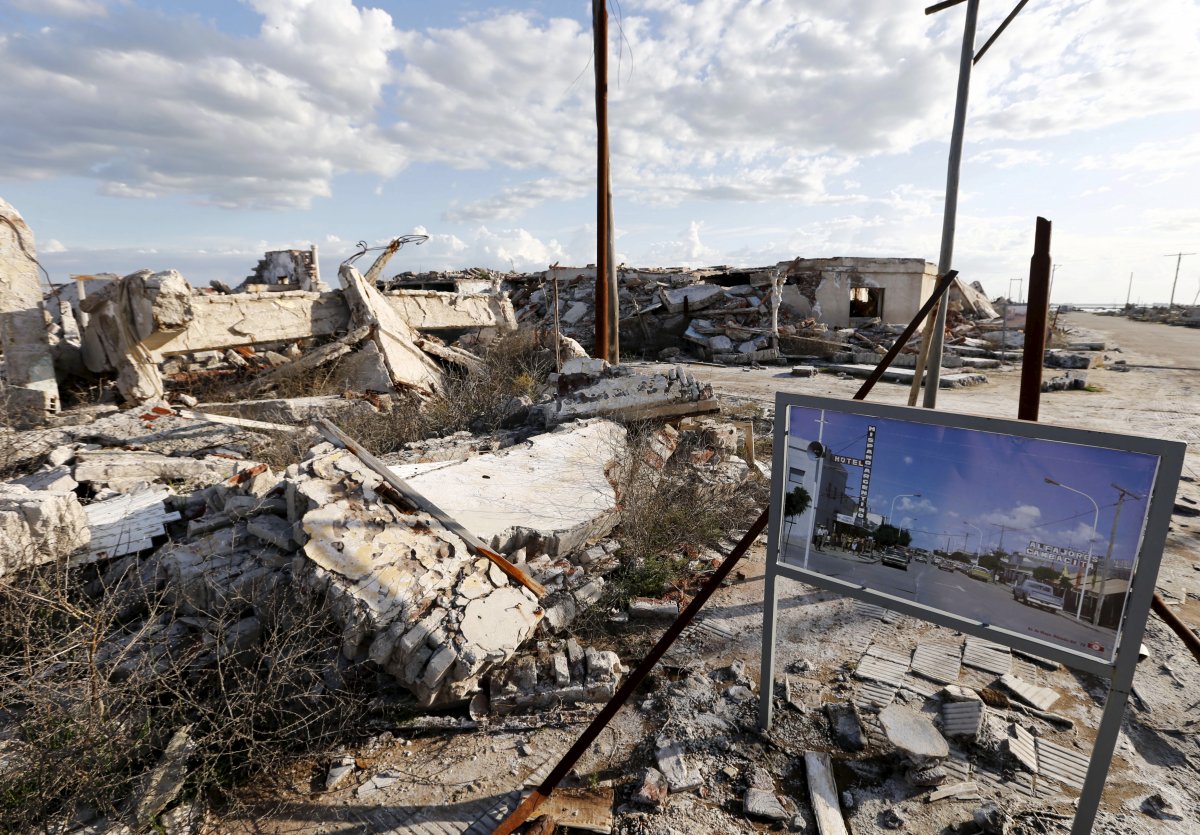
<point>1180,628</point>
<point>535,799</point>
<point>1036,317</point>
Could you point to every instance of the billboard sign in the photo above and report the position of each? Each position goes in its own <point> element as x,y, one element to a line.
<point>1035,531</point>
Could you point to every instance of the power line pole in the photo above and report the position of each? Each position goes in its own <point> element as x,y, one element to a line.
<point>1112,537</point>
<point>950,213</point>
<point>607,340</point>
<point>1178,256</point>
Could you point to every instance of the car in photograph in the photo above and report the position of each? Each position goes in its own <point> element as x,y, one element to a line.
<point>945,564</point>
<point>977,573</point>
<point>895,558</point>
<point>1041,595</point>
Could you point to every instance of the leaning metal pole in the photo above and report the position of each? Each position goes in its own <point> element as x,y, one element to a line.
<point>535,799</point>
<point>950,215</point>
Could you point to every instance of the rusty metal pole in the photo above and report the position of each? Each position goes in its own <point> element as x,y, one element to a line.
<point>1036,316</point>
<point>601,348</point>
<point>535,799</point>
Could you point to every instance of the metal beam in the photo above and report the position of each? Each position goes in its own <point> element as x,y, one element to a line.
<point>945,4</point>
<point>987,44</point>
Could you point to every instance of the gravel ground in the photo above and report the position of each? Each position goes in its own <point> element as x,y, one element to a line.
<point>699,700</point>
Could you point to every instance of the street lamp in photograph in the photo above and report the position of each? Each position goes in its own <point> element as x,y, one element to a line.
<point>892,512</point>
<point>1091,539</point>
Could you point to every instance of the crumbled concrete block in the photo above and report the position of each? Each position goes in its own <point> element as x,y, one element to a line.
<point>273,529</point>
<point>759,803</point>
<point>679,775</point>
<point>913,734</point>
<point>39,526</point>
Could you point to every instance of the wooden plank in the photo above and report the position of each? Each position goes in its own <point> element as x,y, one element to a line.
<point>586,809</point>
<point>244,423</point>
<point>337,436</point>
<point>958,791</point>
<point>823,794</point>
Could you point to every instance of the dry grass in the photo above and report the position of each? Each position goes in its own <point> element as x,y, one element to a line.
<point>97,675</point>
<point>512,367</point>
<point>667,517</point>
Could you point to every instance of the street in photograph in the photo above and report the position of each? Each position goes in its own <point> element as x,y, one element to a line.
<point>1033,536</point>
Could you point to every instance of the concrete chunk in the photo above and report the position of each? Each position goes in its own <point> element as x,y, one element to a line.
<point>913,734</point>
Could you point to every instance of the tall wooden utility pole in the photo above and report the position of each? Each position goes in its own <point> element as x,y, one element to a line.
<point>1178,256</point>
<point>607,343</point>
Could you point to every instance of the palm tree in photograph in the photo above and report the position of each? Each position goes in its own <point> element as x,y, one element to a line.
<point>795,503</point>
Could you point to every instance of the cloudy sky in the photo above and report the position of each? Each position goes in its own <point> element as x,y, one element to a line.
<point>197,133</point>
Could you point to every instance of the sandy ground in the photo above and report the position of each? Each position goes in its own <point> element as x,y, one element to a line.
<point>444,775</point>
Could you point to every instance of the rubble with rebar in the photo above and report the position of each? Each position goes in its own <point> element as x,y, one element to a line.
<point>192,547</point>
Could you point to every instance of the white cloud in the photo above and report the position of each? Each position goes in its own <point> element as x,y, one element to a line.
<point>919,507</point>
<point>51,246</point>
<point>1010,157</point>
<point>1066,66</point>
<point>62,8</point>
<point>1020,517</point>
<point>687,250</point>
<point>148,105</point>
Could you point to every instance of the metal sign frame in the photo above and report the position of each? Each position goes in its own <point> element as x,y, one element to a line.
<point>1119,672</point>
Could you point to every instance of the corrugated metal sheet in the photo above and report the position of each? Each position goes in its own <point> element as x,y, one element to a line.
<point>985,655</point>
<point>938,662</point>
<point>962,718</point>
<point>1043,698</point>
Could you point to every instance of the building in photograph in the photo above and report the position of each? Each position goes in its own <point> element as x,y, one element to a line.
<point>824,479</point>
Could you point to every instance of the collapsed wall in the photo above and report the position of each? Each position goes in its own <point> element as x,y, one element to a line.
<point>31,388</point>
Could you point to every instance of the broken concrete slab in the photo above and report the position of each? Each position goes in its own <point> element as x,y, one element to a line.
<point>550,495</point>
<point>694,297</point>
<point>759,803</point>
<point>406,364</point>
<point>913,734</point>
<point>119,468</point>
<point>680,777</point>
<point>905,375</point>
<point>165,782</point>
<point>620,392</point>
<point>1071,359</point>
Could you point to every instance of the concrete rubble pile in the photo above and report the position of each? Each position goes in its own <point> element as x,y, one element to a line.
<point>408,594</point>
<point>153,329</point>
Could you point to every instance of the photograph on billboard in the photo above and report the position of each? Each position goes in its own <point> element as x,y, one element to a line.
<point>1035,536</point>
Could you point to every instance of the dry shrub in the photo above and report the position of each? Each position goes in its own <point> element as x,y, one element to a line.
<point>667,517</point>
<point>513,366</point>
<point>96,675</point>
<point>20,451</point>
